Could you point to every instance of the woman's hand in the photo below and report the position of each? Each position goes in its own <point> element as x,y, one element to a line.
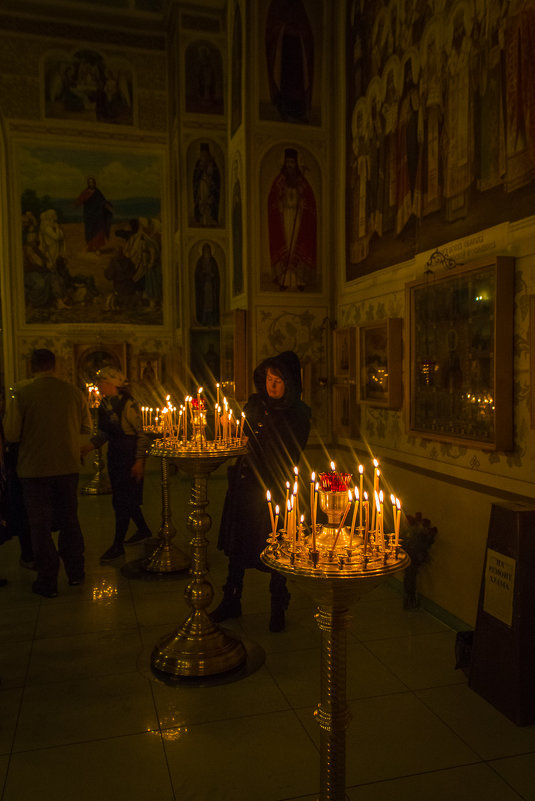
<point>138,469</point>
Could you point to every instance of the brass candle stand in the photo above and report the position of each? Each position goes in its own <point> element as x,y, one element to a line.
<point>199,647</point>
<point>335,565</point>
<point>166,556</point>
<point>100,483</point>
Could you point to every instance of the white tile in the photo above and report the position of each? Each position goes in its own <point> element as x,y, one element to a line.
<point>467,783</point>
<point>120,769</point>
<point>486,730</point>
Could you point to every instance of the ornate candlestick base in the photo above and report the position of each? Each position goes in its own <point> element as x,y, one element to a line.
<point>100,483</point>
<point>334,580</point>
<point>199,647</point>
<point>166,557</point>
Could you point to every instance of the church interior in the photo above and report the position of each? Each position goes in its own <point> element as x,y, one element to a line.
<point>187,190</point>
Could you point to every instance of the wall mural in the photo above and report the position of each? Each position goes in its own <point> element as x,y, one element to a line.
<point>237,230</point>
<point>236,76</point>
<point>91,235</point>
<point>206,196</point>
<point>204,79</point>
<point>207,282</point>
<point>441,131</point>
<point>291,37</point>
<point>290,181</point>
<point>89,86</point>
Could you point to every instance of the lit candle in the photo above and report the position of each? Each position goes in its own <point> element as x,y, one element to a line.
<point>293,524</point>
<point>286,507</point>
<point>398,521</point>
<point>354,518</point>
<point>316,488</point>
<point>276,518</point>
<point>376,473</point>
<point>312,504</point>
<point>242,425</point>
<point>296,496</point>
<point>268,496</point>
<point>361,479</point>
<point>366,521</point>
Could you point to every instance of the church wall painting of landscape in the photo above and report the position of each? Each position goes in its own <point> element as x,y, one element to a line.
<point>91,239</point>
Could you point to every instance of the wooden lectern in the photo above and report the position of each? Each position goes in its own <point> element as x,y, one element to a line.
<point>502,668</point>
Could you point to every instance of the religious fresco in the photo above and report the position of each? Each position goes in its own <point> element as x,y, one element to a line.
<point>91,235</point>
<point>290,185</point>
<point>441,139</point>
<point>207,259</point>
<point>206,191</point>
<point>236,73</point>
<point>88,86</point>
<point>290,35</point>
<point>237,229</point>
<point>204,79</point>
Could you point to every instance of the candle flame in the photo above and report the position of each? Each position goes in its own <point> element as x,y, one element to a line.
<point>361,469</point>
<point>268,496</point>
<point>333,466</point>
<point>398,503</point>
<point>313,478</point>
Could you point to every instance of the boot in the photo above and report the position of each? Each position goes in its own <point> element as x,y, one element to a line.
<point>280,600</point>
<point>230,606</point>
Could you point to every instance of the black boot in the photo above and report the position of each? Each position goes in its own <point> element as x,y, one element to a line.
<point>280,600</point>
<point>230,606</point>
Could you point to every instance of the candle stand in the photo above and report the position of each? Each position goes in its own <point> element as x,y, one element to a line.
<point>166,557</point>
<point>100,483</point>
<point>335,566</point>
<point>199,647</point>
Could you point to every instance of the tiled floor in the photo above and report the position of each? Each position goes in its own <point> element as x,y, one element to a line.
<point>83,718</point>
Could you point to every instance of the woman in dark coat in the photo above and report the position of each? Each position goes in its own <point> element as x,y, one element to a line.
<point>120,425</point>
<point>277,423</point>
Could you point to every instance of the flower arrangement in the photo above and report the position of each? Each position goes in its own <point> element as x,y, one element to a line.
<point>416,540</point>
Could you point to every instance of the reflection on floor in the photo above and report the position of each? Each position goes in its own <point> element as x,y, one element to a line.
<point>84,718</point>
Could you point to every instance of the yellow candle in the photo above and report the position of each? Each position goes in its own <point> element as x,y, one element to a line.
<point>276,518</point>
<point>268,495</point>
<point>354,518</point>
<point>343,520</point>
<point>398,521</point>
<point>361,479</point>
<point>286,506</point>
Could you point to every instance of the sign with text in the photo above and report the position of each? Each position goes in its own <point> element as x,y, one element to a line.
<point>499,586</point>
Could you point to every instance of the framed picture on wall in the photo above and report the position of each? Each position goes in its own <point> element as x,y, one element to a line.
<point>345,411</point>
<point>380,354</point>
<point>344,357</point>
<point>150,368</point>
<point>460,355</point>
<point>89,359</point>
<point>233,352</point>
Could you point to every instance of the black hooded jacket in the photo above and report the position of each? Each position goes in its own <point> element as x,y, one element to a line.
<point>277,431</point>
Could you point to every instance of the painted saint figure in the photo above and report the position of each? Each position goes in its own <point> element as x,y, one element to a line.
<point>207,288</point>
<point>290,59</point>
<point>206,188</point>
<point>292,226</point>
<point>98,214</point>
